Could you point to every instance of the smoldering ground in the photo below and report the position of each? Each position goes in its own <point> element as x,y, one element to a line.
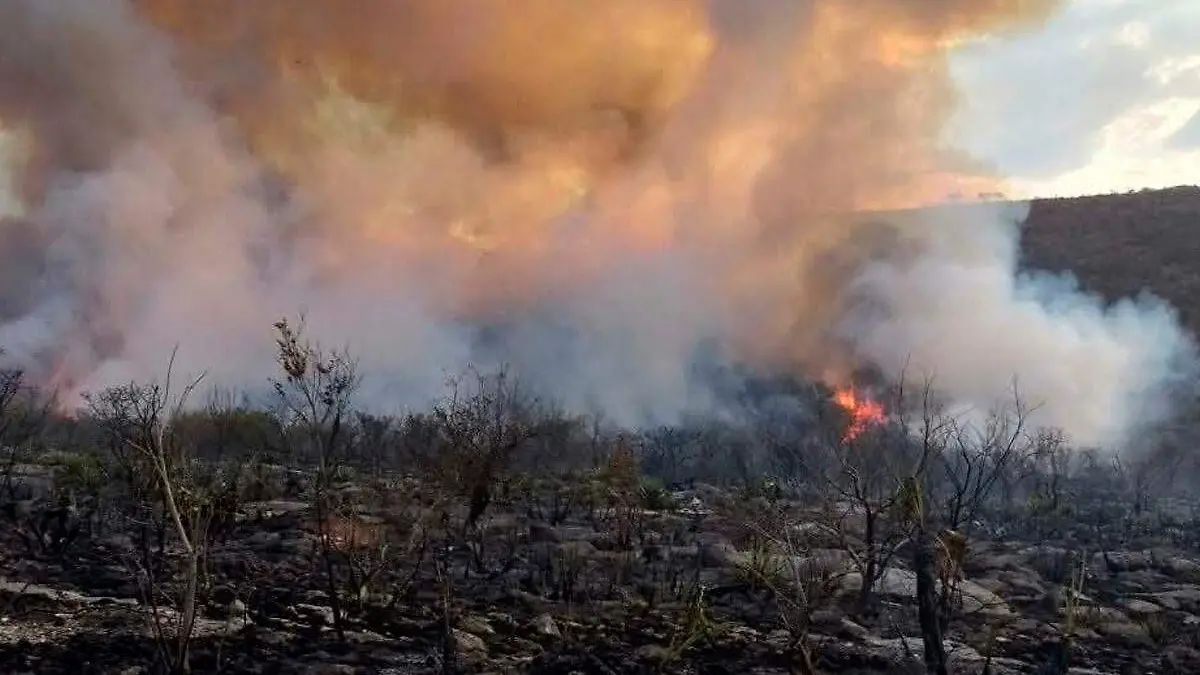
<point>616,183</point>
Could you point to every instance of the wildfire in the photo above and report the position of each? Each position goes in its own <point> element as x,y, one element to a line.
<point>864,412</point>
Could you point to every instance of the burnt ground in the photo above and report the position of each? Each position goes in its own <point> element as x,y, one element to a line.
<point>561,576</point>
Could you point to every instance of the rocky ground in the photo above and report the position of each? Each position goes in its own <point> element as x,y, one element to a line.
<point>536,589</point>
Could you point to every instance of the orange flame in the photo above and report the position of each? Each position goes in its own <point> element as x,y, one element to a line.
<point>864,412</point>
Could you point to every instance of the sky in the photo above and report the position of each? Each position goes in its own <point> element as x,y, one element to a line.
<point>1103,98</point>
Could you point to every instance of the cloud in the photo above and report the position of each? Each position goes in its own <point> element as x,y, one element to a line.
<point>1187,137</point>
<point>1038,105</point>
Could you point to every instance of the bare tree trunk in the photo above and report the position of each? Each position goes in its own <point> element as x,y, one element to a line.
<point>192,541</point>
<point>866,594</point>
<point>324,534</point>
<point>802,662</point>
<point>924,564</point>
<point>187,615</point>
<point>449,640</point>
<point>1059,662</point>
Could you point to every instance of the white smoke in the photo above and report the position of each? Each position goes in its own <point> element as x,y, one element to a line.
<point>962,314</point>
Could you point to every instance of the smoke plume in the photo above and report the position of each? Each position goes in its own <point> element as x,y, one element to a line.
<point>594,191</point>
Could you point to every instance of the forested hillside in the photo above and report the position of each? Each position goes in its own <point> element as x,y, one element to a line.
<point>1120,244</point>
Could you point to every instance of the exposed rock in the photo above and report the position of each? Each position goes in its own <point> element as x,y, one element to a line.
<point>1122,561</point>
<point>476,625</point>
<point>545,626</point>
<point>1127,632</point>
<point>317,615</point>
<point>1140,607</point>
<point>265,541</point>
<point>471,648</point>
<point>902,584</point>
<point>1186,598</point>
<point>653,653</point>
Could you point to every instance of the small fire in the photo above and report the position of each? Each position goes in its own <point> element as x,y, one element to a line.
<point>864,412</point>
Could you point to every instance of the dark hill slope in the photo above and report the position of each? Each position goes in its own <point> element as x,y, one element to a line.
<point>1118,245</point>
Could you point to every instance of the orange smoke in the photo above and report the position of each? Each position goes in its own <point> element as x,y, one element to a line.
<point>501,153</point>
<point>458,131</point>
<point>864,413</point>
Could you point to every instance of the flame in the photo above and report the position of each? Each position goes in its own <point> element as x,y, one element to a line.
<point>864,412</point>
